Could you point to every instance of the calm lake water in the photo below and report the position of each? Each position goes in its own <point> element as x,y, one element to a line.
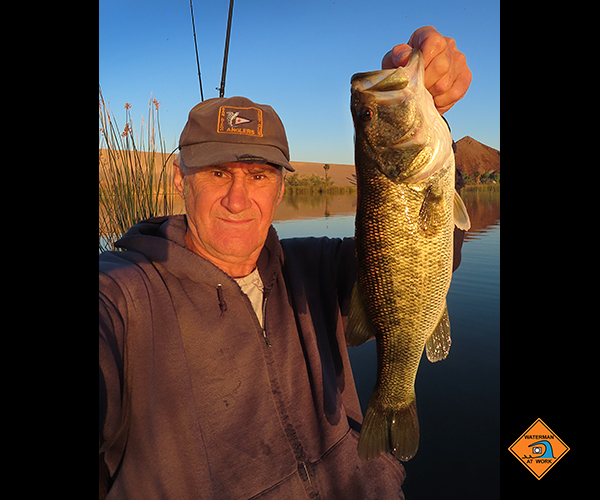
<point>458,399</point>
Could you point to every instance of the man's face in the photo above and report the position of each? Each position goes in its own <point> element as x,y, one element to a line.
<point>230,208</point>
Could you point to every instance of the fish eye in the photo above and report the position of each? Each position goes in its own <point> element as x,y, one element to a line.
<point>365,114</point>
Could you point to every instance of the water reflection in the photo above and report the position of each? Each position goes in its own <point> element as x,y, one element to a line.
<point>484,210</point>
<point>333,215</point>
<point>339,226</point>
<point>301,206</point>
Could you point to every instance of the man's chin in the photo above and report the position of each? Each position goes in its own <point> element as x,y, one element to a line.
<point>240,244</point>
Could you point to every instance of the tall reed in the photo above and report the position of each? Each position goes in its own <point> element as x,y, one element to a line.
<point>135,173</point>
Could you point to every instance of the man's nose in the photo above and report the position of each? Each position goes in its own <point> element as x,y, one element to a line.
<point>237,200</point>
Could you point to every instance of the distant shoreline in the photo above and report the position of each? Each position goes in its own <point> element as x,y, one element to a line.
<point>310,190</point>
<point>482,187</point>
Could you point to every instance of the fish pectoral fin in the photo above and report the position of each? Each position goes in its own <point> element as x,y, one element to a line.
<point>360,329</point>
<point>461,216</point>
<point>431,214</point>
<point>438,344</point>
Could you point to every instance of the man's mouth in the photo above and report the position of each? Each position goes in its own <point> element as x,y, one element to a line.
<point>236,221</point>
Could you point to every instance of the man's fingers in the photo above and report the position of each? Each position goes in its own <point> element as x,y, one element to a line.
<point>429,41</point>
<point>396,57</point>
<point>447,76</point>
<point>444,101</point>
<point>437,72</point>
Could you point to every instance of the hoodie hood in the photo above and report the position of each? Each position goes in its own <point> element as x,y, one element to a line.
<point>162,240</point>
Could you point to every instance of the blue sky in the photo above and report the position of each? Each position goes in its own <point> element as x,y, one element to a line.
<point>296,56</point>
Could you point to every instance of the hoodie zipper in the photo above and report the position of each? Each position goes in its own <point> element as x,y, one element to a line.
<point>223,308</point>
<point>264,318</point>
<point>307,473</point>
<point>222,303</point>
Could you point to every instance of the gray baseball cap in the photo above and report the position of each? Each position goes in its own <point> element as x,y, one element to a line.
<point>223,130</point>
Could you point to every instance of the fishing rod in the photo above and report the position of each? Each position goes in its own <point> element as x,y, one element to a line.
<point>196,46</point>
<point>221,89</point>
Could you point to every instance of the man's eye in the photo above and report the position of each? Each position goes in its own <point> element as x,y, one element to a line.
<point>218,173</point>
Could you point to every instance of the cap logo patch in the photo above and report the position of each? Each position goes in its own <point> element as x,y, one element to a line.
<point>241,121</point>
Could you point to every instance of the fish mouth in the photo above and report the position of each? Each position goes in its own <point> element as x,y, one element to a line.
<point>388,84</point>
<point>393,87</point>
<point>384,80</point>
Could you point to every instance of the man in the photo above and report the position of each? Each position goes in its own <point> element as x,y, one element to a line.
<point>224,372</point>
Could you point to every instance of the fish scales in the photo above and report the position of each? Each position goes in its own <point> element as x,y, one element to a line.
<point>404,281</point>
<point>404,228</point>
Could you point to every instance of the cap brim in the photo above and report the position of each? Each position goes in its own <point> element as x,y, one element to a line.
<point>206,154</point>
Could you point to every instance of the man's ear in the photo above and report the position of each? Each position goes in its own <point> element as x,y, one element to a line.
<point>282,191</point>
<point>179,180</point>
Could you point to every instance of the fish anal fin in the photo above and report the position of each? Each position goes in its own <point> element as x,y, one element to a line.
<point>438,344</point>
<point>461,216</point>
<point>360,328</point>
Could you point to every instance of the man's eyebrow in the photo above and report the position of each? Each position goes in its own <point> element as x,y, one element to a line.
<point>259,169</point>
<point>212,168</point>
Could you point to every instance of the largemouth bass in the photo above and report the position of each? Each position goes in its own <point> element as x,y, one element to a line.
<point>405,217</point>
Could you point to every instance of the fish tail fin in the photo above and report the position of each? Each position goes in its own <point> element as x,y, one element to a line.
<point>390,430</point>
<point>405,432</point>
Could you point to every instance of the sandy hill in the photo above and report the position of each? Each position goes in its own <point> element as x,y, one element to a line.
<point>473,156</point>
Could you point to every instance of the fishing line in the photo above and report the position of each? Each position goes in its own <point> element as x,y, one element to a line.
<point>196,47</point>
<point>221,89</point>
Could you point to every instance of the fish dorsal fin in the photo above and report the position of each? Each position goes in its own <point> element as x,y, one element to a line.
<point>438,344</point>
<point>461,216</point>
<point>360,328</point>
